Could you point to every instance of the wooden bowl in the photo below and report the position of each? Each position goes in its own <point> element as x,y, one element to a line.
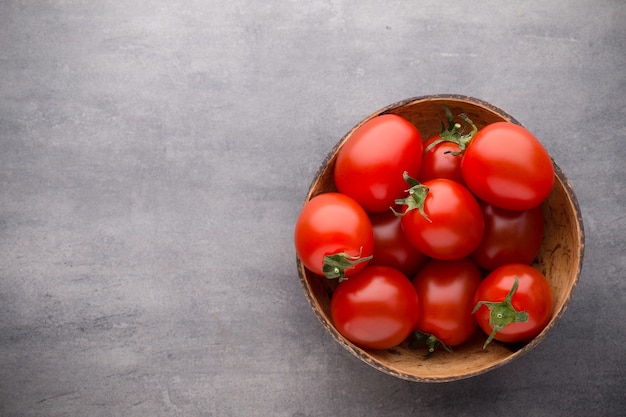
<point>560,257</point>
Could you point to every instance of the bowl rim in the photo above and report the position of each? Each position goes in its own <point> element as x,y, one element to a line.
<point>362,353</point>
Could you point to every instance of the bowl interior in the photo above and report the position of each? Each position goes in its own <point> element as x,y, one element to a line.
<point>560,257</point>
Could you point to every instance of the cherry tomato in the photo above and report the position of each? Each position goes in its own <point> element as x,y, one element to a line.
<point>446,223</point>
<point>505,165</point>
<point>446,292</point>
<point>376,308</point>
<point>370,164</point>
<point>391,247</point>
<point>333,224</point>
<point>443,153</point>
<point>441,161</point>
<point>513,314</point>
<point>510,236</point>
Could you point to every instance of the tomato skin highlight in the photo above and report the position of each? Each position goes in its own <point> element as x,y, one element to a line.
<point>376,308</point>
<point>456,223</point>
<point>511,236</point>
<point>370,163</point>
<point>391,247</point>
<point>440,162</point>
<point>446,292</point>
<point>505,165</point>
<point>533,296</point>
<point>332,223</point>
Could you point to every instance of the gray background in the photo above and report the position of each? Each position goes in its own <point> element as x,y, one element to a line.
<point>153,159</point>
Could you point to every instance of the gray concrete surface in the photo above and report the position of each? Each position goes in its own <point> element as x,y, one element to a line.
<point>153,159</point>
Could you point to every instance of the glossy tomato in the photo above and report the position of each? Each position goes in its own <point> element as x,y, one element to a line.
<point>446,292</point>
<point>391,247</point>
<point>513,303</point>
<point>441,161</point>
<point>370,163</point>
<point>510,236</point>
<point>443,153</point>
<point>333,236</point>
<point>442,219</point>
<point>505,165</point>
<point>376,308</point>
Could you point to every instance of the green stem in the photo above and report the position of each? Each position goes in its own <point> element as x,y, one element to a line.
<point>430,341</point>
<point>502,313</point>
<point>335,265</point>
<point>454,133</point>
<point>416,198</point>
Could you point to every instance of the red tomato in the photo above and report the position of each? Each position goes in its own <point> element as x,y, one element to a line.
<point>505,165</point>
<point>443,153</point>
<point>333,224</point>
<point>370,163</point>
<point>441,161</point>
<point>513,314</point>
<point>391,247</point>
<point>446,292</point>
<point>510,236</point>
<point>443,219</point>
<point>376,308</point>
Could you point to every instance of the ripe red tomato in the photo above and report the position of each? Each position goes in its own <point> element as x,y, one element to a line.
<point>333,236</point>
<point>511,313</point>
<point>442,219</point>
<point>446,292</point>
<point>370,164</point>
<point>441,161</point>
<point>443,153</point>
<point>505,165</point>
<point>376,308</point>
<point>391,247</point>
<point>510,236</point>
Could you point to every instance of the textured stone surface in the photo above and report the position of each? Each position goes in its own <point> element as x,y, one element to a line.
<point>153,159</point>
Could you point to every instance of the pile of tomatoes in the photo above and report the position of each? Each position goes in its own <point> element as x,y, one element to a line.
<point>432,238</point>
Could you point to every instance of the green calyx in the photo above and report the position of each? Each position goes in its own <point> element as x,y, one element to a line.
<point>502,313</point>
<point>454,133</point>
<point>430,341</point>
<point>335,265</point>
<point>416,198</point>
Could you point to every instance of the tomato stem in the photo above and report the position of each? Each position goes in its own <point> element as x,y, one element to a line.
<point>454,133</point>
<point>335,265</point>
<point>503,313</point>
<point>430,341</point>
<point>416,198</point>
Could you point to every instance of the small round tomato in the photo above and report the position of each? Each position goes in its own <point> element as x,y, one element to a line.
<point>513,303</point>
<point>442,219</point>
<point>391,247</point>
<point>446,292</point>
<point>441,161</point>
<point>370,163</point>
<point>510,236</point>
<point>505,165</point>
<point>376,308</point>
<point>333,236</point>
<point>443,153</point>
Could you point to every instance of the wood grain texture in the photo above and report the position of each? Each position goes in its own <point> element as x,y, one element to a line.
<point>560,257</point>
